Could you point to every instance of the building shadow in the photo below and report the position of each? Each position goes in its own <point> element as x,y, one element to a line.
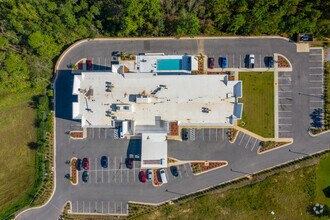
<point>134,149</point>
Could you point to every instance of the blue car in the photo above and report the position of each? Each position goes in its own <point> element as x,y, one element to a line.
<point>104,161</point>
<point>223,62</point>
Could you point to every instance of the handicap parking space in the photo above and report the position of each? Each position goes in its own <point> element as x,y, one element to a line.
<point>285,104</point>
<point>99,206</point>
<point>248,142</point>
<point>211,134</point>
<point>316,87</point>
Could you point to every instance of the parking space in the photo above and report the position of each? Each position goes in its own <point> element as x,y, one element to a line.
<point>101,63</point>
<point>101,207</point>
<point>285,104</point>
<point>102,133</point>
<point>240,60</point>
<point>117,172</point>
<point>211,134</point>
<point>248,142</point>
<point>315,90</point>
<point>184,170</point>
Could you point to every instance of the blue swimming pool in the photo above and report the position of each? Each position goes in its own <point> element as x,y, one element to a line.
<point>169,64</point>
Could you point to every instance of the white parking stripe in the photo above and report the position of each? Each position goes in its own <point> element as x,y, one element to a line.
<point>285,124</point>
<point>318,67</point>
<point>89,206</point>
<point>285,117</point>
<point>284,111</point>
<point>216,134</point>
<point>241,139</point>
<point>247,142</point>
<point>223,134</point>
<point>83,206</point>
<point>185,169</point>
<point>108,207</point>
<point>254,145</point>
<point>316,100</point>
<point>96,170</point>
<point>121,171</point>
<point>284,104</point>
<point>77,207</point>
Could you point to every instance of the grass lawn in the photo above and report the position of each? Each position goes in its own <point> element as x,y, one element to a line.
<point>17,174</point>
<point>323,181</point>
<point>258,100</point>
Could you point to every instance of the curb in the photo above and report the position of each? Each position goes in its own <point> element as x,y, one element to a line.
<point>275,148</point>
<point>203,172</point>
<point>315,135</point>
<point>233,141</point>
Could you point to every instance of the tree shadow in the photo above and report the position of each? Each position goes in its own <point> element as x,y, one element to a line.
<point>32,145</point>
<point>326,192</point>
<point>316,117</point>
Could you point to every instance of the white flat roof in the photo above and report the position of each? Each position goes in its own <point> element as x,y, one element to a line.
<point>180,98</point>
<point>154,150</point>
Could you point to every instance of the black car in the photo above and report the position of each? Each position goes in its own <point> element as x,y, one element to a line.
<point>129,163</point>
<point>184,134</point>
<point>174,170</point>
<point>79,164</point>
<point>104,161</point>
<point>85,176</point>
<point>269,61</point>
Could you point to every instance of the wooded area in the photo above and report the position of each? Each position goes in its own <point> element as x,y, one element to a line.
<point>34,32</point>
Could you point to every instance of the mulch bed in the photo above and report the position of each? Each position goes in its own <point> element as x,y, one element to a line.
<point>73,172</point>
<point>157,182</point>
<point>76,134</point>
<point>282,62</point>
<point>201,167</point>
<point>267,145</point>
<point>174,129</point>
<point>232,134</point>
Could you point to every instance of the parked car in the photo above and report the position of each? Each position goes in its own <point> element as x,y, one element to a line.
<point>129,163</point>
<point>223,62</point>
<point>184,134</point>
<point>174,170</point>
<point>251,60</point>
<point>305,37</point>
<point>142,176</point>
<point>89,65</point>
<point>211,62</point>
<point>79,164</point>
<point>270,62</point>
<point>85,177</point>
<point>80,66</point>
<point>163,176</point>
<point>85,163</point>
<point>104,161</point>
<point>149,174</point>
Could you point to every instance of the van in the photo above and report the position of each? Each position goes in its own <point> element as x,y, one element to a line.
<point>163,176</point>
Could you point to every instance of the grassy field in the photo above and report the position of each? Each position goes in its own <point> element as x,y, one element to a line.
<point>323,181</point>
<point>17,162</point>
<point>258,99</point>
<point>287,194</point>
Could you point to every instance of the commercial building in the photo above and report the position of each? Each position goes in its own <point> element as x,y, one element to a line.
<point>142,97</point>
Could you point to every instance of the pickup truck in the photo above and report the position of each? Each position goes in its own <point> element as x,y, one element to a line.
<point>251,60</point>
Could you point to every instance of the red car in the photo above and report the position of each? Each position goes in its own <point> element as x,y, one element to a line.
<point>89,65</point>
<point>143,177</point>
<point>80,66</point>
<point>85,163</point>
<point>211,62</point>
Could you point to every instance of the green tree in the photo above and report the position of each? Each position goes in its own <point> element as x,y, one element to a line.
<point>188,25</point>
<point>43,44</point>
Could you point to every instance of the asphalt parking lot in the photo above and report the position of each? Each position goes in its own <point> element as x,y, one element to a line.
<point>248,142</point>
<point>99,207</point>
<point>316,94</point>
<point>285,102</point>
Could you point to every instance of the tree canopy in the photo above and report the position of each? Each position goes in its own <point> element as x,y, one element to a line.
<point>34,32</point>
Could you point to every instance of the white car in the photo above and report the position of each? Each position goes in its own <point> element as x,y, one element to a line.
<point>163,176</point>
<point>149,174</point>
<point>252,59</point>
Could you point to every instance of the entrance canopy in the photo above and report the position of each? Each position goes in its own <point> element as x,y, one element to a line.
<point>154,150</point>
